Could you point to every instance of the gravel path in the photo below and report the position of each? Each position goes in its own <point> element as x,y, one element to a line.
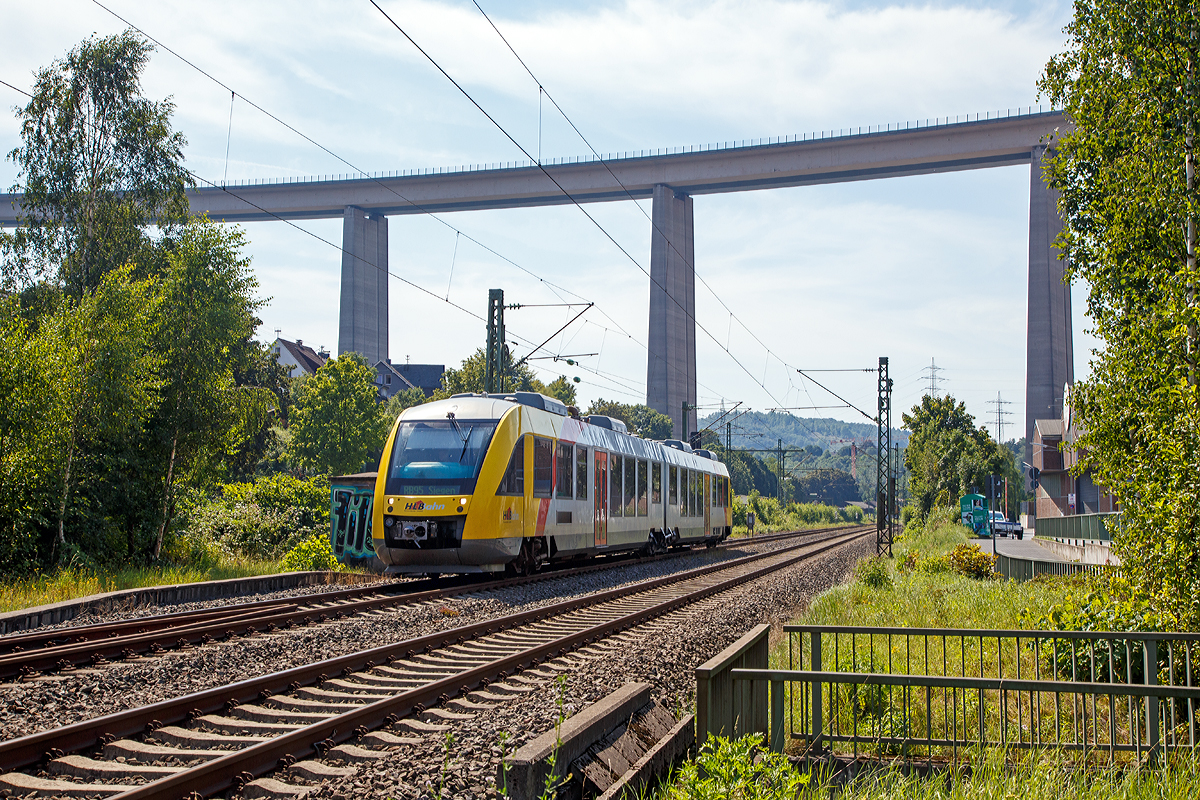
<point>59,699</point>
<point>664,654</point>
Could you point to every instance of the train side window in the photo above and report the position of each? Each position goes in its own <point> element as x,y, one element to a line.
<point>565,463</point>
<point>656,483</point>
<point>513,482</point>
<point>673,486</point>
<point>692,479</point>
<point>643,499</point>
<point>614,485</point>
<point>543,467</point>
<point>631,484</point>
<point>581,473</point>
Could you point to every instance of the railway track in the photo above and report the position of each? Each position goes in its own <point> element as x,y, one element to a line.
<point>353,707</point>
<point>27,654</point>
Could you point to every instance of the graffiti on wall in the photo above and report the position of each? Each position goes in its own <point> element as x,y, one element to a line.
<point>350,520</point>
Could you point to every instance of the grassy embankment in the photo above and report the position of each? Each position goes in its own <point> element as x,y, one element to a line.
<point>70,583</point>
<point>921,588</point>
<point>772,516</point>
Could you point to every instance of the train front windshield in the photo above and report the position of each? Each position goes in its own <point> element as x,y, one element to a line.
<point>438,457</point>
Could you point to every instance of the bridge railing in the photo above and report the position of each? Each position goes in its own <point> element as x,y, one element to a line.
<point>832,133</point>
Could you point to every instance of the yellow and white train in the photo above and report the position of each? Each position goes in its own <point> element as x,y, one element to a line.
<point>487,483</point>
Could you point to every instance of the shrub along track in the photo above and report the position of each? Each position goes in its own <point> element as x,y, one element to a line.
<point>26,654</point>
<point>226,737</point>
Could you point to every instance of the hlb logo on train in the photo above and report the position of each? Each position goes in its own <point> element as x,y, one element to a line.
<point>421,505</point>
<point>509,515</point>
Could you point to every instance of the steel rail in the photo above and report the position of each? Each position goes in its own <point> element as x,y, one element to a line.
<point>260,759</point>
<point>31,749</point>
<point>156,634</point>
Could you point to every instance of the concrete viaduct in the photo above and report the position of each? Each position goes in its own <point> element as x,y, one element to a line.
<point>672,178</point>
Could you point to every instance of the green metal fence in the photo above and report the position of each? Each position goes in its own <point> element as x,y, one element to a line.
<point>1023,569</point>
<point>938,694</point>
<point>1089,527</point>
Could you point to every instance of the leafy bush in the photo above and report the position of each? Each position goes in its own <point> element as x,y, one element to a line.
<point>873,572</point>
<point>249,528</point>
<point>935,565</point>
<point>314,553</point>
<point>969,560</point>
<point>738,768</point>
<point>281,493</point>
<point>193,549</point>
<point>771,515</point>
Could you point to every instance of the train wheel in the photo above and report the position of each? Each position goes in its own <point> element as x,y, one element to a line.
<point>524,564</point>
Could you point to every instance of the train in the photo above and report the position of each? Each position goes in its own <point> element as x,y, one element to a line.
<point>510,482</point>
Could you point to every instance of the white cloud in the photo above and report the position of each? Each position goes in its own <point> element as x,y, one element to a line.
<point>828,276</point>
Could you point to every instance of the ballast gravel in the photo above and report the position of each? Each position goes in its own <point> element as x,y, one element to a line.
<point>663,653</point>
<point>59,699</point>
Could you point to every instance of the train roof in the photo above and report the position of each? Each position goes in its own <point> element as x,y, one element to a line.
<point>612,437</point>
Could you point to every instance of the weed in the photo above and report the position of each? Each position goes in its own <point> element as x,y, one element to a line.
<point>449,743</point>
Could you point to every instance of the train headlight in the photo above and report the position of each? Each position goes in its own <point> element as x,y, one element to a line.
<point>462,501</point>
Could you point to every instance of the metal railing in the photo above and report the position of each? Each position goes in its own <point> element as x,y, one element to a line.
<point>724,708</point>
<point>939,694</point>
<point>1024,569</point>
<point>1089,527</point>
<point>832,133</point>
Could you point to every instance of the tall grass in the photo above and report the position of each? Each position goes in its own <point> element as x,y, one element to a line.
<point>923,593</point>
<point>737,770</point>
<point>69,583</point>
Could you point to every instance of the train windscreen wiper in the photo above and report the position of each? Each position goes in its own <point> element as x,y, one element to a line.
<point>466,437</point>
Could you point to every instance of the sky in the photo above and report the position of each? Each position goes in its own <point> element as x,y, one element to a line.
<point>919,269</point>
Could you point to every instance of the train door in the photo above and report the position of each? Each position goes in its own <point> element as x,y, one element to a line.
<point>601,499</point>
<point>707,504</point>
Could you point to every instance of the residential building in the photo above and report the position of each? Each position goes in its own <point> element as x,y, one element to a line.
<point>297,358</point>
<point>392,378</point>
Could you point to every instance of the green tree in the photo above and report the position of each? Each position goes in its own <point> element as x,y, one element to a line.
<point>98,164</point>
<point>563,389</point>
<point>31,428</point>
<point>641,420</point>
<point>106,371</point>
<point>471,376</point>
<point>831,486</point>
<point>401,401</point>
<point>947,455</point>
<point>1125,170</point>
<point>207,315</point>
<point>336,422</point>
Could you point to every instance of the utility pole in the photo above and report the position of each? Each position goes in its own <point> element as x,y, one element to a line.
<point>933,369</point>
<point>728,437</point>
<point>1000,415</point>
<point>885,484</point>
<point>493,380</point>
<point>779,466</point>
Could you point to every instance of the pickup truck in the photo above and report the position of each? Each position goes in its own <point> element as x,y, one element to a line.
<point>1002,526</point>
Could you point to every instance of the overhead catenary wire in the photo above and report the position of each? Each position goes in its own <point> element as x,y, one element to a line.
<point>318,237</point>
<point>555,288</point>
<point>568,195</point>
<point>604,163</point>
